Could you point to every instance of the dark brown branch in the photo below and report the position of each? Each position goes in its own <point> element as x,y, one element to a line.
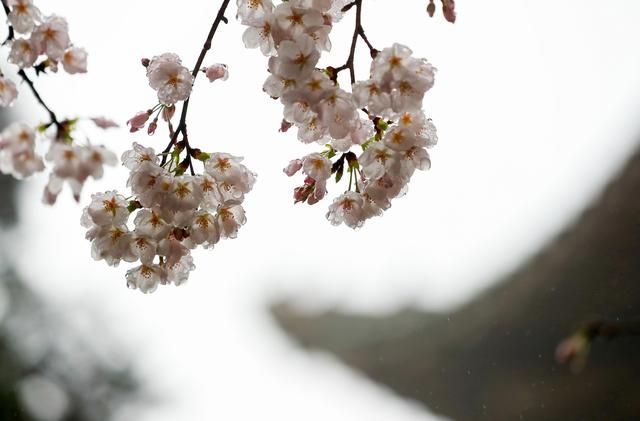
<point>182,124</point>
<point>357,32</point>
<point>52,116</point>
<point>11,35</point>
<point>53,120</point>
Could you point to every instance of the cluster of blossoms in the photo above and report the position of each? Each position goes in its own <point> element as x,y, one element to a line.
<point>71,162</point>
<point>74,163</point>
<point>173,83</point>
<point>47,46</point>
<point>17,151</point>
<point>175,212</point>
<point>392,133</point>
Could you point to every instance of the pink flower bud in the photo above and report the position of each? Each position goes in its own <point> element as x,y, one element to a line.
<point>217,71</point>
<point>168,112</point>
<point>139,120</point>
<point>293,167</point>
<point>431,8</point>
<point>300,194</point>
<point>285,125</point>
<point>145,62</point>
<point>152,127</point>
<point>448,9</point>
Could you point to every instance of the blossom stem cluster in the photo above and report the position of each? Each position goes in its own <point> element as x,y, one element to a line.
<point>377,131</point>
<point>358,32</point>
<point>175,212</point>
<point>47,47</point>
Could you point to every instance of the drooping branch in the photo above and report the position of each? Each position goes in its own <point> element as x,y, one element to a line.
<point>358,31</point>
<point>11,34</point>
<point>52,116</point>
<point>53,120</point>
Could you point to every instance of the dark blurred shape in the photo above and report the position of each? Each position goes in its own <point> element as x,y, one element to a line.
<point>493,359</point>
<point>7,203</point>
<point>49,369</point>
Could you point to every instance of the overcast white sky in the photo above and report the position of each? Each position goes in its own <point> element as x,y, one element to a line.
<point>536,106</point>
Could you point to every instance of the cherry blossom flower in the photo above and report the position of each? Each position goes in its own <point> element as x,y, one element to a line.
<point>251,10</point>
<point>108,208</point>
<point>23,53</point>
<point>17,151</point>
<point>74,60</point>
<point>169,78</point>
<point>296,59</point>
<point>259,34</point>
<point>8,92</point>
<point>145,277</point>
<point>23,16</point>
<point>52,37</point>
<point>348,209</point>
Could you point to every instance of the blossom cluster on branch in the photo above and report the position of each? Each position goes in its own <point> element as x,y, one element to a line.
<point>47,46</point>
<point>177,208</point>
<point>174,214</point>
<point>381,118</point>
<point>374,129</point>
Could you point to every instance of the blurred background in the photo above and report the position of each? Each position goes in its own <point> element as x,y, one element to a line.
<point>448,307</point>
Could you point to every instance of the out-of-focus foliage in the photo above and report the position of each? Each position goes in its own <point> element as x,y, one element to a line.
<point>49,369</point>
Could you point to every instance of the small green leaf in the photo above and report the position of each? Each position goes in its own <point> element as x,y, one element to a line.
<point>133,205</point>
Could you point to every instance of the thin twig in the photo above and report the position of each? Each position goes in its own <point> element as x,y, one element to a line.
<point>23,75</point>
<point>182,124</point>
<point>358,31</point>
<point>52,116</point>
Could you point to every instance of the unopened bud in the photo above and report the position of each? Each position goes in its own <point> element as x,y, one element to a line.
<point>152,127</point>
<point>352,160</point>
<point>183,166</point>
<point>332,73</point>
<point>199,155</point>
<point>180,146</point>
<point>431,8</point>
<point>168,112</point>
<point>139,120</point>
<point>449,10</point>
<point>301,194</point>
<point>180,233</point>
<point>217,71</point>
<point>145,62</point>
<point>294,166</point>
<point>285,125</point>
